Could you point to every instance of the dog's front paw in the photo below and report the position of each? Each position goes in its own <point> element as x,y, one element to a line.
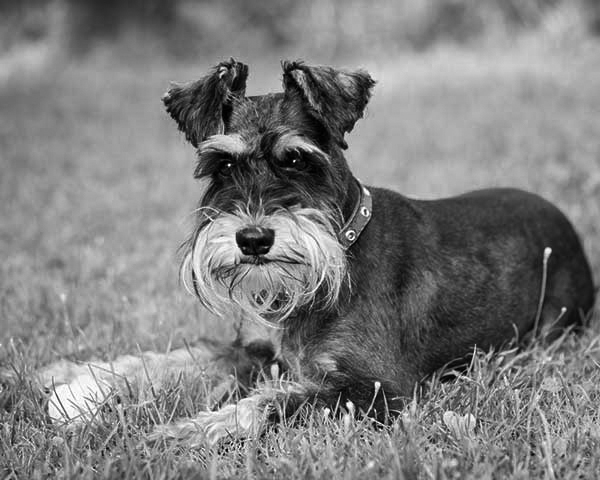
<point>240,420</point>
<point>191,432</point>
<point>78,401</point>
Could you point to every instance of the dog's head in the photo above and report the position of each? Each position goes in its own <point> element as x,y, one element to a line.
<point>277,186</point>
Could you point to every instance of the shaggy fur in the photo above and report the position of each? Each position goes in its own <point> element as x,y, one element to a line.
<point>422,285</point>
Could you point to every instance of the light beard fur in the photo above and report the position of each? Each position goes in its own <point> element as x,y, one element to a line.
<point>306,264</point>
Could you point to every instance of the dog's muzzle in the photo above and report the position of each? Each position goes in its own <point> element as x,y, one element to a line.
<point>267,266</point>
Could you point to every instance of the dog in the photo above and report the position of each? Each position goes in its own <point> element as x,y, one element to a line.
<point>356,293</point>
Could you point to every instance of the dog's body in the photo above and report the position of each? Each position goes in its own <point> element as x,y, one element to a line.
<point>435,278</point>
<point>365,291</point>
<point>425,294</point>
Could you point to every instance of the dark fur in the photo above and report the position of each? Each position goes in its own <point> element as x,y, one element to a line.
<point>200,108</point>
<point>429,280</point>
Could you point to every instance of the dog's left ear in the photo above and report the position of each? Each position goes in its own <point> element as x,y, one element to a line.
<point>200,108</point>
<point>337,98</point>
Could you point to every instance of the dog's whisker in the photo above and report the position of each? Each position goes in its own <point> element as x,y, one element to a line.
<point>302,236</point>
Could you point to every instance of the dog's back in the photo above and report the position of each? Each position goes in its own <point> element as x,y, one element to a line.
<point>508,232</point>
<point>468,271</point>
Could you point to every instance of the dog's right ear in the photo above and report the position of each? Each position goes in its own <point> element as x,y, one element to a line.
<point>199,107</point>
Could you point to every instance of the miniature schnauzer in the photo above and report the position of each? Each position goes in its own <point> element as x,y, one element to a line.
<point>361,291</point>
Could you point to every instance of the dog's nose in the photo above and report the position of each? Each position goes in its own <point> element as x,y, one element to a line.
<point>255,240</point>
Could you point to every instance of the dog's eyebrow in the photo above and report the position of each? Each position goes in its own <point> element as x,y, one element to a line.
<point>232,144</point>
<point>292,140</point>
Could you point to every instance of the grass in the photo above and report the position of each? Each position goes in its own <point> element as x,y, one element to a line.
<point>95,194</point>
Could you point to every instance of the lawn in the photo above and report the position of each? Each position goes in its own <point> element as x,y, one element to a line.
<point>96,191</point>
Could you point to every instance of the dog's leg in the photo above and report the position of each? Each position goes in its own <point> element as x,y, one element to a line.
<point>245,362</point>
<point>78,391</point>
<point>245,418</point>
<point>242,419</point>
<point>273,401</point>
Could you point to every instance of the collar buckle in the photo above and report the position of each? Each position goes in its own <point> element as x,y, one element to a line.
<point>359,219</point>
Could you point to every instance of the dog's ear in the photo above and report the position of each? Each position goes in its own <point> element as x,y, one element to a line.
<point>337,98</point>
<point>200,107</point>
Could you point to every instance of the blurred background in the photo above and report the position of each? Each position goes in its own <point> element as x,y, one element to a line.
<point>328,28</point>
<point>96,184</point>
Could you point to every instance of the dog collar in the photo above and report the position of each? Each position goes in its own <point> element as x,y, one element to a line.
<point>359,218</point>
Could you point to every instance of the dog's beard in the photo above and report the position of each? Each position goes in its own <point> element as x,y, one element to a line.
<point>305,266</point>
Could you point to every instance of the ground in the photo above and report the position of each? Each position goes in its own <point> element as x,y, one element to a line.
<point>96,192</point>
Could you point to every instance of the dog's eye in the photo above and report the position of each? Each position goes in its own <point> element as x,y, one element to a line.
<point>293,160</point>
<point>225,168</point>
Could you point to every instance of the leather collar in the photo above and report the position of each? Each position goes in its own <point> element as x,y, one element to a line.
<point>359,218</point>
